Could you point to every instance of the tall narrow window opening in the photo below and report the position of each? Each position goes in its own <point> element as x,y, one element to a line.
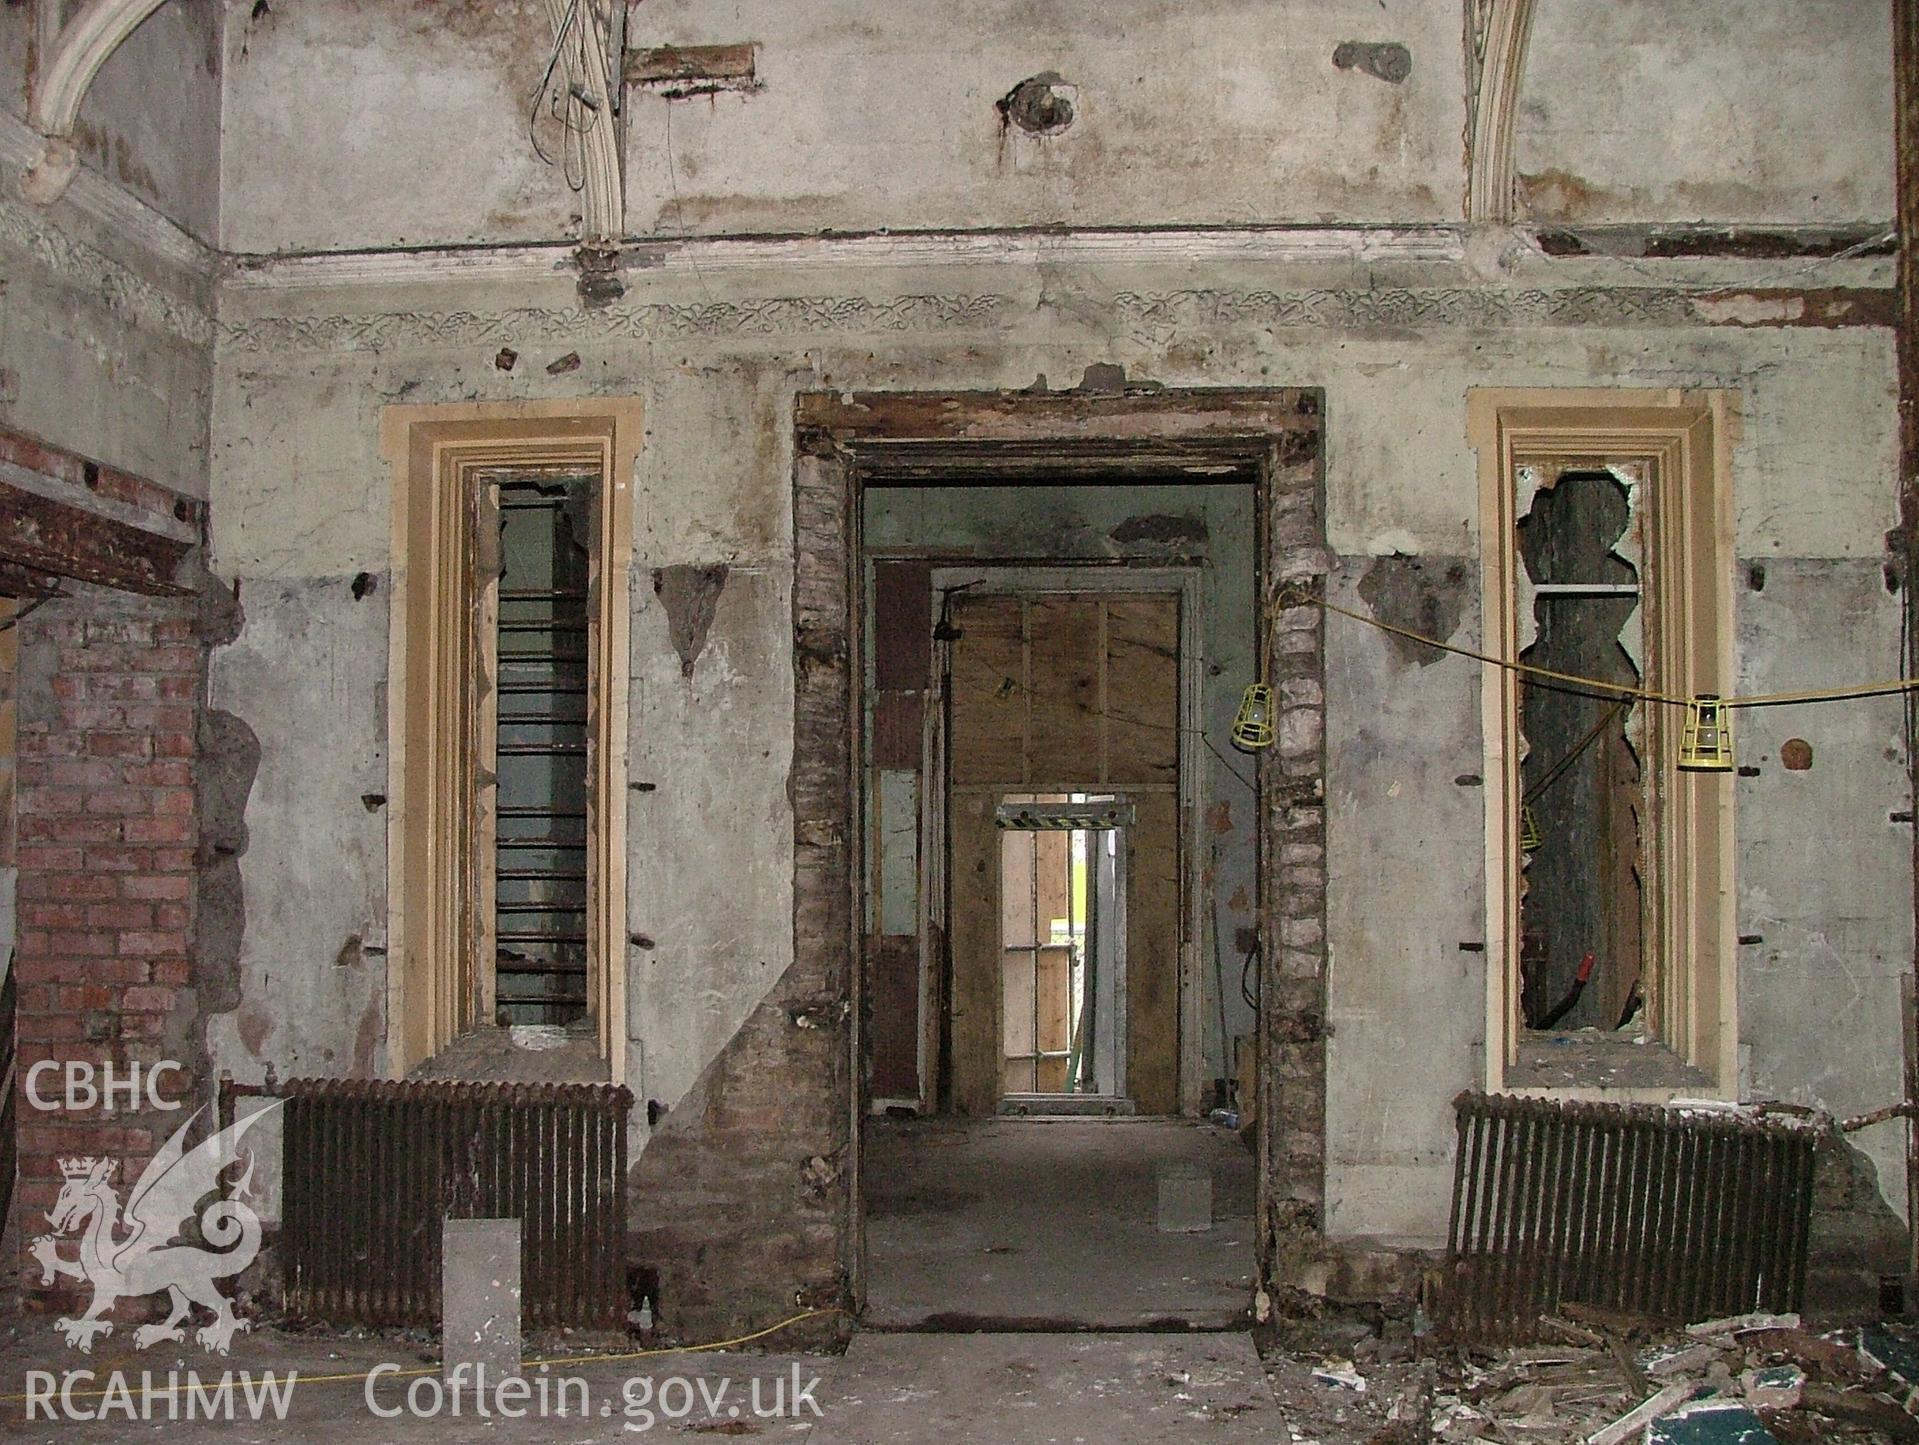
<point>1606,535</point>
<point>507,695</point>
<point>540,763</point>
<point>1582,796</point>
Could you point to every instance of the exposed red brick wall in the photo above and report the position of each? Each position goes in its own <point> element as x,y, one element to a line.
<point>107,831</point>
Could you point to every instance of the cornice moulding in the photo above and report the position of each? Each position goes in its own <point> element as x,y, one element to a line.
<point>706,257</point>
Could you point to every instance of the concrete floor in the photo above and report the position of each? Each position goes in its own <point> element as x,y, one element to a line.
<point>1051,1223</point>
<point>1051,1389</point>
<point>1038,1388</point>
<point>989,1226</point>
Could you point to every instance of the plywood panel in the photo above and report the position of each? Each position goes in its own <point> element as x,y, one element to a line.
<point>894,1026</point>
<point>1018,910</point>
<point>898,729</point>
<point>1152,955</point>
<point>1142,689</point>
<point>1018,1003</point>
<point>1065,660</point>
<point>903,625</point>
<point>989,698</point>
<point>1055,983</point>
<point>1053,864</point>
<point>974,922</point>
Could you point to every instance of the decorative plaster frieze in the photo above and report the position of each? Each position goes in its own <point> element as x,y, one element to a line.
<point>86,268</point>
<point>1396,307</point>
<point>772,316</point>
<point>1413,307</point>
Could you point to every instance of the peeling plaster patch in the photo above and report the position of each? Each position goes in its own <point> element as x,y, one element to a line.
<point>1395,543</point>
<point>690,595</point>
<point>1749,309</point>
<point>1169,531</point>
<point>253,1029</point>
<point>1385,60</point>
<point>1422,594</point>
<point>229,763</point>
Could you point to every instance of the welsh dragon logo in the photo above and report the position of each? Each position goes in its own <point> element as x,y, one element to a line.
<point>149,1255</point>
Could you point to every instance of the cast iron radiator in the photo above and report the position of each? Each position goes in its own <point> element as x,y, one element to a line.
<point>1672,1213</point>
<point>372,1168</point>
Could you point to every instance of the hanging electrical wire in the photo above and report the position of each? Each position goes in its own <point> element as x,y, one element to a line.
<point>1558,769</point>
<point>1299,597</point>
<point>540,91</point>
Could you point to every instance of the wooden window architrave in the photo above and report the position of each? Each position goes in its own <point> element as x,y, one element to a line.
<point>1679,443</point>
<point>440,708</point>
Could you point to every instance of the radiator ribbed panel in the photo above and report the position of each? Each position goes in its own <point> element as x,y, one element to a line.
<point>1638,1208</point>
<point>373,1168</point>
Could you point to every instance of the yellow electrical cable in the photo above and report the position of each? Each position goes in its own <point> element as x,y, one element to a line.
<point>1614,689</point>
<point>297,1379</point>
<point>1296,597</point>
<point>1823,694</point>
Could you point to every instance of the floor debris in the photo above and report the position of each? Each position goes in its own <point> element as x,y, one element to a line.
<point>1622,1380</point>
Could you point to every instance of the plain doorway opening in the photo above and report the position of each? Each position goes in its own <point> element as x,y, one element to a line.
<point>848,936</point>
<point>1063,952</point>
<point>1048,1035</point>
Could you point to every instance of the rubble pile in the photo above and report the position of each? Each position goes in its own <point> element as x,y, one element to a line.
<point>1611,1379</point>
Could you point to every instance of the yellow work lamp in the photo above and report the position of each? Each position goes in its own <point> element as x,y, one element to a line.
<point>1253,724</point>
<point>1705,743</point>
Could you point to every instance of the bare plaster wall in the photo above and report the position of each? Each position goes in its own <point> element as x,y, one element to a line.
<point>377,124</point>
<point>1823,870</point>
<point>306,675</point>
<point>301,499</point>
<point>151,119</point>
<point>364,124</point>
<point>1738,110</point>
<point>919,141</point>
<point>371,123</point>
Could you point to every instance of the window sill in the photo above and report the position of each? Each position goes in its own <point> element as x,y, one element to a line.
<point>490,1055</point>
<point>1602,1065</point>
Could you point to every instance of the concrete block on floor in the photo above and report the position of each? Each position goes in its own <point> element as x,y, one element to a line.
<point>480,1296</point>
<point>1185,1198</point>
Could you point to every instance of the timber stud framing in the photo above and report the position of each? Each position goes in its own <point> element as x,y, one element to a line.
<point>1272,437</point>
